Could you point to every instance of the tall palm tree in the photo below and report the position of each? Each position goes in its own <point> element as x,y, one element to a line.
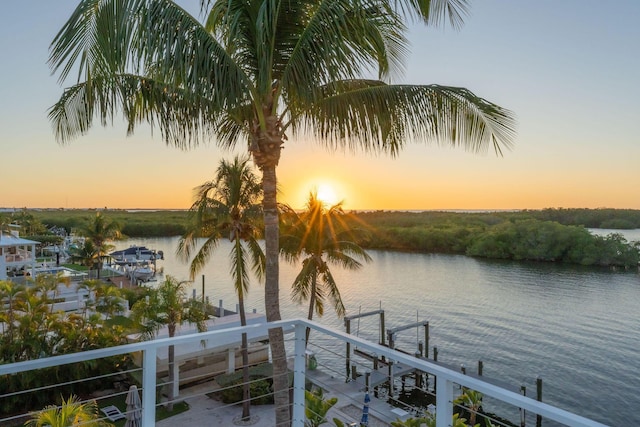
<point>100,231</point>
<point>321,237</point>
<point>71,413</point>
<point>257,72</point>
<point>228,208</point>
<point>168,306</point>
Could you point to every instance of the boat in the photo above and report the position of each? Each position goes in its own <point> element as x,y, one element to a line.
<point>140,271</point>
<point>134,254</point>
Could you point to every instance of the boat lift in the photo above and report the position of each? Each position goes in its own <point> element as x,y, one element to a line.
<point>347,325</point>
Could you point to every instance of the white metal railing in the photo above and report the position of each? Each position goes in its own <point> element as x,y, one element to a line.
<point>446,379</point>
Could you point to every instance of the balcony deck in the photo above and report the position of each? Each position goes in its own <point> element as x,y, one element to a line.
<point>328,375</point>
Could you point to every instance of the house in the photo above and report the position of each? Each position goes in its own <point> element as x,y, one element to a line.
<point>17,255</point>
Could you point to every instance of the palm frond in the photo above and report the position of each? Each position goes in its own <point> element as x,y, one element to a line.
<point>330,286</point>
<point>203,255</point>
<point>383,118</point>
<point>238,270</point>
<point>153,62</point>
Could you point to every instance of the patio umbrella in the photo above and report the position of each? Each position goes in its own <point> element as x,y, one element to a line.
<point>134,405</point>
<point>364,421</point>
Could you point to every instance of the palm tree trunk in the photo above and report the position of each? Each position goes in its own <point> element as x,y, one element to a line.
<point>312,303</point>
<point>246,387</point>
<point>272,295</point>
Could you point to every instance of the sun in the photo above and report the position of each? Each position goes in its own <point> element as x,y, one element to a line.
<point>327,194</point>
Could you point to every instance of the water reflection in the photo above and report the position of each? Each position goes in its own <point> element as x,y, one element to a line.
<point>575,327</point>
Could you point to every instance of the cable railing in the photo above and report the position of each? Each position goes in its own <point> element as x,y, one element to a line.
<point>198,376</point>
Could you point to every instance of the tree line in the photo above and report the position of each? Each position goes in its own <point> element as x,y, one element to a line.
<point>498,235</point>
<point>555,235</point>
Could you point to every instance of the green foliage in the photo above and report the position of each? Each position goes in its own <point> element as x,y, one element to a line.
<point>32,330</point>
<point>260,391</point>
<point>430,421</point>
<point>471,400</point>
<point>591,218</point>
<point>549,241</point>
<point>316,407</point>
<point>134,223</point>
<point>546,234</point>
<point>261,388</point>
<point>72,412</point>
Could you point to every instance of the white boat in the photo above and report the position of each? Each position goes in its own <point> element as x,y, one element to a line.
<point>135,254</point>
<point>140,271</point>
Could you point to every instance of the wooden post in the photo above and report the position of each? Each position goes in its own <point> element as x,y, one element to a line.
<point>382,330</point>
<point>480,367</point>
<point>203,288</point>
<point>426,339</point>
<point>435,359</point>
<point>420,348</point>
<point>418,374</point>
<point>539,397</point>
<point>354,372</point>
<point>463,369</point>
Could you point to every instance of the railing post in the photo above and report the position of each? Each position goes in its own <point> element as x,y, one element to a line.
<point>299,372</point>
<point>347,326</point>
<point>149,387</point>
<point>444,404</point>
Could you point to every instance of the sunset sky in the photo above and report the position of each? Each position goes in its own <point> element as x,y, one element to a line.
<point>569,69</point>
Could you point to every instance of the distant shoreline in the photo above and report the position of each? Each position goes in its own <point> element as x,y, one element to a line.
<point>471,211</point>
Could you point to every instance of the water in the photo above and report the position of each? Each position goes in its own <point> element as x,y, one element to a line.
<point>577,328</point>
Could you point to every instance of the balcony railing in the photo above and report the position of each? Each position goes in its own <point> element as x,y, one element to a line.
<point>327,346</point>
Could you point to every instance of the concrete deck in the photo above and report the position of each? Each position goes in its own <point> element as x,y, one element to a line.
<point>210,412</point>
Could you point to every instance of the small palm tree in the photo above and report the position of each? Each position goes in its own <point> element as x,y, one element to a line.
<point>169,306</point>
<point>228,208</point>
<point>86,254</point>
<point>10,294</point>
<point>316,407</point>
<point>322,237</point>
<point>100,231</point>
<point>71,413</point>
<point>472,400</point>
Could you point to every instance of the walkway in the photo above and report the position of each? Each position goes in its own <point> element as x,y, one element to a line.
<point>210,412</point>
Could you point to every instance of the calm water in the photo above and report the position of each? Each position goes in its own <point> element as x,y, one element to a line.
<point>576,328</point>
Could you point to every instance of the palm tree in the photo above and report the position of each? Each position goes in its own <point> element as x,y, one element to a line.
<point>257,72</point>
<point>86,254</point>
<point>10,295</point>
<point>167,305</point>
<point>100,231</point>
<point>71,413</point>
<point>472,400</point>
<point>322,237</point>
<point>228,207</point>
<point>33,321</point>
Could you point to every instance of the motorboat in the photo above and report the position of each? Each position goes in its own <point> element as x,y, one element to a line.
<point>140,271</point>
<point>135,254</point>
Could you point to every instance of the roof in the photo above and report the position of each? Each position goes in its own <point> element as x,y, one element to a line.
<point>8,240</point>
